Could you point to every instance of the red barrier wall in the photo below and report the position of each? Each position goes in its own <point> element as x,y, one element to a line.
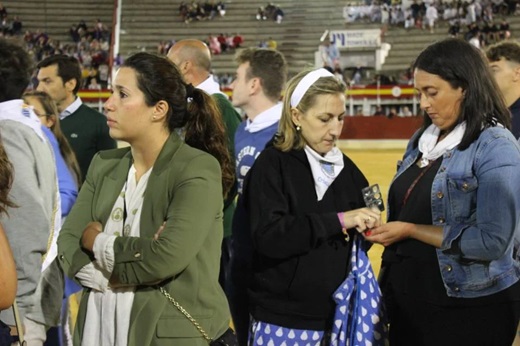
<point>374,127</point>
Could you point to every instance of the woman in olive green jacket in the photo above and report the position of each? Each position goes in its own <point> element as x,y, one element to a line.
<point>173,248</point>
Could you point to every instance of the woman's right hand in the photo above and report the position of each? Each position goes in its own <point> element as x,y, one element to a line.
<point>362,219</point>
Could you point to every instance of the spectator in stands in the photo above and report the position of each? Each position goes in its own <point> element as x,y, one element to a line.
<point>471,16</point>
<point>16,26</point>
<point>238,40</point>
<point>118,60</point>
<point>329,54</point>
<point>278,15</point>
<point>167,249</point>
<point>210,9</point>
<point>223,43</point>
<point>431,17</point>
<point>229,41</point>
<point>183,11</point>
<point>30,224</point>
<point>454,28</point>
<point>272,44</point>
<point>504,60</point>
<point>511,7</point>
<point>214,45</point>
<point>474,41</point>
<point>258,84</point>
<point>5,26</point>
<point>193,59</point>
<point>269,11</point>
<point>260,14</point>
<point>103,73</point>
<point>385,19</point>
<point>392,113</point>
<point>161,48</point>
<point>221,8</point>
<point>82,26</point>
<point>416,11</point>
<point>449,270</point>
<point>338,74</point>
<point>94,85</point>
<point>379,111</point>
<point>357,75</point>
<point>100,30</point>
<point>3,11</point>
<point>504,32</point>
<point>73,32</point>
<point>405,112</point>
<point>85,129</point>
<point>409,22</point>
<point>8,279</point>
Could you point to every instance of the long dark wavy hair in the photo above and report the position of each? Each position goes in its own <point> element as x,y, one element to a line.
<point>159,79</point>
<point>462,65</point>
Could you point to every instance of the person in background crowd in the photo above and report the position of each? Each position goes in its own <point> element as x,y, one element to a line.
<point>193,59</point>
<point>85,129</point>
<point>30,225</point>
<point>69,178</point>
<point>504,61</point>
<point>45,108</point>
<point>257,88</point>
<point>449,272</point>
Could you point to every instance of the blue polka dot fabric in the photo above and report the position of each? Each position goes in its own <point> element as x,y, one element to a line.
<point>266,334</point>
<point>360,319</point>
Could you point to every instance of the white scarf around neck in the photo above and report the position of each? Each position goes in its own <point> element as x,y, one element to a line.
<point>429,146</point>
<point>324,168</point>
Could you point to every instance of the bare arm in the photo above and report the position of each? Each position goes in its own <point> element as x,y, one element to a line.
<point>395,231</point>
<point>8,281</point>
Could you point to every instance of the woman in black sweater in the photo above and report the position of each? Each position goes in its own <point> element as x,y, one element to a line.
<point>303,198</point>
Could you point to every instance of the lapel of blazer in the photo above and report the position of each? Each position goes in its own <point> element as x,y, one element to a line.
<point>111,186</point>
<point>152,205</point>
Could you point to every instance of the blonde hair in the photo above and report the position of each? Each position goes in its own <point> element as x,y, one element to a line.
<point>51,112</point>
<point>288,138</point>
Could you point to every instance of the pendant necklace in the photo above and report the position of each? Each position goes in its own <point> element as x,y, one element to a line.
<point>424,162</point>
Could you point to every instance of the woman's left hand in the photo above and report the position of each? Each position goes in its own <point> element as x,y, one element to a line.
<point>89,234</point>
<point>389,233</point>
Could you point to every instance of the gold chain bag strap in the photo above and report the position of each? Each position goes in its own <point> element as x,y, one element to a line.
<point>187,314</point>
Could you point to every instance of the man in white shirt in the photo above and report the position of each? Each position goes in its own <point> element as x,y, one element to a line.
<point>193,59</point>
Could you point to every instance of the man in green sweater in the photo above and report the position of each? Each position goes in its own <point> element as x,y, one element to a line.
<point>193,59</point>
<point>85,129</point>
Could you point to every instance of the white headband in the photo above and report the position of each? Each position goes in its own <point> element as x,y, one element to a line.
<point>306,83</point>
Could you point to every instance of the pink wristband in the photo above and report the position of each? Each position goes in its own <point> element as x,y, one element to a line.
<point>341,219</point>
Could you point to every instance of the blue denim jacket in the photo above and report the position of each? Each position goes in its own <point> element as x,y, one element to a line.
<point>476,257</point>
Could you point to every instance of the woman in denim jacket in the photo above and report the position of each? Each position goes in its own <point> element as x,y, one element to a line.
<point>450,277</point>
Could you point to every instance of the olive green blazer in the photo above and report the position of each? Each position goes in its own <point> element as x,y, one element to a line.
<point>185,190</point>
